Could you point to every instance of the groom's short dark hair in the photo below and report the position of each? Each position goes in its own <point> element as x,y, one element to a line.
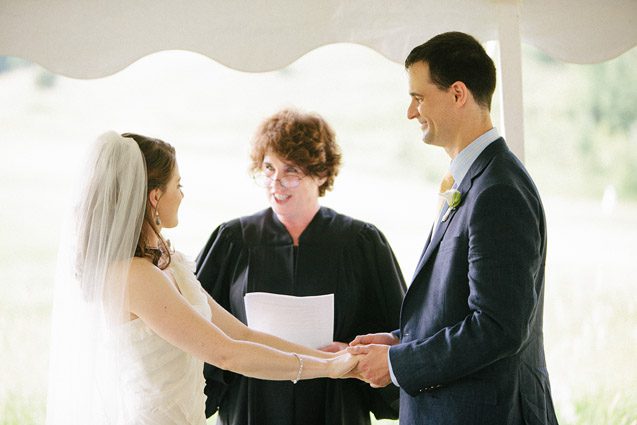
<point>456,56</point>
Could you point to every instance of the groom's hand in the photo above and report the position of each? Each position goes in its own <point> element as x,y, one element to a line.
<point>383,338</point>
<point>372,365</point>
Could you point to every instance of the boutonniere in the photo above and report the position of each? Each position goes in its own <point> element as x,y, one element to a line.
<point>453,197</point>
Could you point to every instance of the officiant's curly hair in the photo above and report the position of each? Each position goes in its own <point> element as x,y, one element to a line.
<point>303,139</point>
<point>159,160</point>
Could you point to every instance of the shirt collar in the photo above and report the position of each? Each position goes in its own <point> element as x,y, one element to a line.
<point>462,162</point>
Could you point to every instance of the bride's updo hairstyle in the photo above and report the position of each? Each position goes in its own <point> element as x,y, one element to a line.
<point>160,159</point>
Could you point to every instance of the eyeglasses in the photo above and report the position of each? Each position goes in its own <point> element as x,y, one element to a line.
<point>288,182</point>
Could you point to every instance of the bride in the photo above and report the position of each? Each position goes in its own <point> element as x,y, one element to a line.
<point>131,324</point>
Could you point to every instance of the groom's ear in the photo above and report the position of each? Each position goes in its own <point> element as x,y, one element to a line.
<point>460,92</point>
<point>153,197</point>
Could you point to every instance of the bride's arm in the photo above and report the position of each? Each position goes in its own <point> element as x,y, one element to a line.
<point>233,327</point>
<point>155,300</point>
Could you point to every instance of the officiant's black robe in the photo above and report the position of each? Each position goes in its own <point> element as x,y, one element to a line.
<point>336,254</point>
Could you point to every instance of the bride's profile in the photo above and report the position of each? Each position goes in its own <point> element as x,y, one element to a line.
<point>131,324</point>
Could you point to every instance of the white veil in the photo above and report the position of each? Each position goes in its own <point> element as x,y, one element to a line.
<point>90,300</point>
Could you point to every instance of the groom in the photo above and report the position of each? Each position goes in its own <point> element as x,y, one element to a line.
<point>469,349</point>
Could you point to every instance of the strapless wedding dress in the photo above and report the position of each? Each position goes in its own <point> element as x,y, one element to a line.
<point>161,384</point>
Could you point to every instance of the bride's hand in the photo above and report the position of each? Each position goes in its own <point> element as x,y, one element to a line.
<point>340,366</point>
<point>335,347</point>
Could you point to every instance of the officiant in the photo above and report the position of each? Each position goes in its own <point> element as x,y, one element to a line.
<point>298,247</point>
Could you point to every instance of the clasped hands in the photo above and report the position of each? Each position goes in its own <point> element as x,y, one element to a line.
<point>371,353</point>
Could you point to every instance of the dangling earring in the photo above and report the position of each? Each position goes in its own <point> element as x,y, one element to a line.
<point>157,220</point>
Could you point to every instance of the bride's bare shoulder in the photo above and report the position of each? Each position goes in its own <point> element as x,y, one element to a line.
<point>143,271</point>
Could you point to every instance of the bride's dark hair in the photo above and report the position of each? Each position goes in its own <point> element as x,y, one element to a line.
<point>159,159</point>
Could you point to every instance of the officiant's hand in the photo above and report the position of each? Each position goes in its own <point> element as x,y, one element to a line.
<point>372,365</point>
<point>335,347</point>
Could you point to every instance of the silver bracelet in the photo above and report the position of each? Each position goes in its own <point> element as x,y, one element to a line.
<point>298,375</point>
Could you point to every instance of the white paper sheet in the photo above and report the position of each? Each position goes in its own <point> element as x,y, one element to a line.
<point>307,321</point>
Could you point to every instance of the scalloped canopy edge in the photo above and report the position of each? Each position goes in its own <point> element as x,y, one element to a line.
<point>95,39</point>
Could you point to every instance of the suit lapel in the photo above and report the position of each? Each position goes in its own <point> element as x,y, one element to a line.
<point>422,254</point>
<point>476,169</point>
<point>434,239</point>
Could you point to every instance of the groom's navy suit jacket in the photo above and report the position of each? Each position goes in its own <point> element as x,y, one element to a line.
<point>471,349</point>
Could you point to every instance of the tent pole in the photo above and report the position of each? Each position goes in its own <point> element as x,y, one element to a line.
<point>510,75</point>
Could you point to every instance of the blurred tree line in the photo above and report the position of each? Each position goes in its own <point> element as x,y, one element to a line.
<point>580,126</point>
<point>43,79</point>
<point>609,140</point>
<point>581,123</point>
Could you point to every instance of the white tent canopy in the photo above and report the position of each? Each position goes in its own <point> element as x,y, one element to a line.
<point>90,39</point>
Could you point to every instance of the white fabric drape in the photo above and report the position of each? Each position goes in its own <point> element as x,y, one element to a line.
<point>85,39</point>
